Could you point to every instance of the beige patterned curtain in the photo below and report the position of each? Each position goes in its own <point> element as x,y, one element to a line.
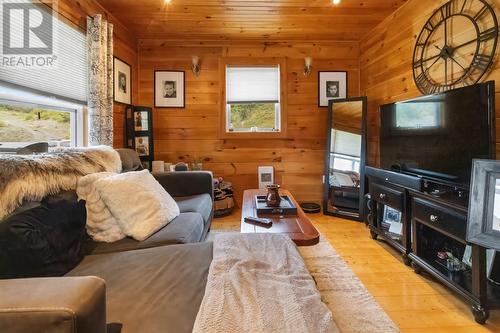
<point>100,101</point>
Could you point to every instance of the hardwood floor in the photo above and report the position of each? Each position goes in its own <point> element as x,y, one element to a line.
<point>416,303</point>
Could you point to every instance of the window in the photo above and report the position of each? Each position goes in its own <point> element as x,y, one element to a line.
<point>346,151</point>
<point>345,163</point>
<point>43,101</point>
<point>28,118</point>
<point>253,99</point>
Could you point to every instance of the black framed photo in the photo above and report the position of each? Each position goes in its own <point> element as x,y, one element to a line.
<point>122,87</point>
<point>332,85</point>
<point>169,89</point>
<point>143,145</point>
<point>483,224</point>
<point>141,120</point>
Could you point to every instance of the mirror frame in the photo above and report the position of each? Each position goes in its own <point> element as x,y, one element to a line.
<point>485,174</point>
<point>362,163</point>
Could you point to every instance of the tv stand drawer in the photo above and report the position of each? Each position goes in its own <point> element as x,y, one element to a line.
<point>387,196</point>
<point>440,217</point>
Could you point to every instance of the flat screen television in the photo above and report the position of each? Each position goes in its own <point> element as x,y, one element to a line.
<point>437,136</point>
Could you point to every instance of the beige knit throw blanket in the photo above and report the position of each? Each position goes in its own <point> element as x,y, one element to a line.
<point>32,177</point>
<point>259,283</point>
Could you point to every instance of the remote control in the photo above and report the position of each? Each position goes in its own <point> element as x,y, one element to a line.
<point>259,220</point>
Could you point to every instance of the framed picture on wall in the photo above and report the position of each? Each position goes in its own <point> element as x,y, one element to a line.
<point>169,89</point>
<point>142,145</point>
<point>122,88</point>
<point>332,85</point>
<point>141,121</point>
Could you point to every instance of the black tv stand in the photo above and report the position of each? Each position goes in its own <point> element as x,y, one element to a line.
<point>434,219</point>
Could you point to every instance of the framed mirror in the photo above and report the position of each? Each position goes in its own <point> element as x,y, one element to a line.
<point>483,223</point>
<point>344,187</point>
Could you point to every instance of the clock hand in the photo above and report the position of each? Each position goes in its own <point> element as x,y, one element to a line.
<point>428,68</point>
<point>431,58</point>
<point>453,59</point>
<point>464,44</point>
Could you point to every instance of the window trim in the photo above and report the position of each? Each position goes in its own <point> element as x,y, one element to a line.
<point>253,62</point>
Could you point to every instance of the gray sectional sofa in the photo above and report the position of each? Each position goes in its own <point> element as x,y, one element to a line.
<point>128,286</point>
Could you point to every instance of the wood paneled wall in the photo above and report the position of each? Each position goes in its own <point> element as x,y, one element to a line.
<point>386,64</point>
<point>125,48</point>
<point>192,133</point>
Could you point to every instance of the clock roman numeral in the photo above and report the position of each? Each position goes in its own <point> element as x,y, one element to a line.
<point>433,89</point>
<point>422,82</point>
<point>481,62</point>
<point>418,64</point>
<point>488,34</point>
<point>463,6</point>
<point>429,26</point>
<point>481,12</point>
<point>445,11</point>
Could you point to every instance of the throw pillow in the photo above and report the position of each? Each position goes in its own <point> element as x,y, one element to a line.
<point>139,202</point>
<point>102,226</point>
<point>43,241</point>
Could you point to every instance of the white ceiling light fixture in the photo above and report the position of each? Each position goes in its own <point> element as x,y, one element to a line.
<point>336,2</point>
<point>168,1</point>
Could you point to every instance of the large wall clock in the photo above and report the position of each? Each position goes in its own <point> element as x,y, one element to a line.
<point>456,46</point>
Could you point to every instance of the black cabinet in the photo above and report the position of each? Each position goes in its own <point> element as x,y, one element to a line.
<point>432,237</point>
<point>384,196</point>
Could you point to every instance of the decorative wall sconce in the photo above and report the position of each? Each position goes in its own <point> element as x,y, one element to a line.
<point>196,66</point>
<point>307,65</point>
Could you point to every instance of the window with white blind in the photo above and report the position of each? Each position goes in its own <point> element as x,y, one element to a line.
<point>43,95</point>
<point>62,73</point>
<point>346,151</point>
<point>253,99</point>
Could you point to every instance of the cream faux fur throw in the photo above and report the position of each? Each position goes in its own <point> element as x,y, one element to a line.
<point>32,177</point>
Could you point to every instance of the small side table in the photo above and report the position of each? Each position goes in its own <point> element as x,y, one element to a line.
<point>223,198</point>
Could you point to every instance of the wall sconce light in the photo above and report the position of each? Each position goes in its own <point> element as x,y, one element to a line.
<point>196,66</point>
<point>307,65</point>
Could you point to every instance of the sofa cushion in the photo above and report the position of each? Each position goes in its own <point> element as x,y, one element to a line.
<point>46,240</point>
<point>199,203</point>
<point>102,226</point>
<point>139,203</point>
<point>185,228</point>
<point>152,290</point>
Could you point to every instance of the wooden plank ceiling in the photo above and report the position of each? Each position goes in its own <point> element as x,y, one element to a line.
<point>251,19</point>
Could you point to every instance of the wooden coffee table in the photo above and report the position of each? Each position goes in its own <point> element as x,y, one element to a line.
<point>298,227</point>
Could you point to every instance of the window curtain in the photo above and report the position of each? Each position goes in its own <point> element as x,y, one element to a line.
<point>100,99</point>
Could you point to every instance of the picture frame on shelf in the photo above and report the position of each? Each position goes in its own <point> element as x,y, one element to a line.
<point>141,120</point>
<point>331,85</point>
<point>142,146</point>
<point>392,217</point>
<point>169,89</point>
<point>122,87</point>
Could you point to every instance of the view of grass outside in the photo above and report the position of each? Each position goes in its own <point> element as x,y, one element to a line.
<point>246,116</point>
<point>26,124</point>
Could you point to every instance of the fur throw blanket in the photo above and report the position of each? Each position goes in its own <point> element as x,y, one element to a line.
<point>32,177</point>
